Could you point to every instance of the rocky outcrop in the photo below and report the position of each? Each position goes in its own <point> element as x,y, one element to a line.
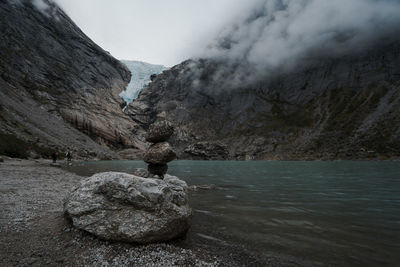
<point>58,89</point>
<point>208,151</point>
<point>124,207</point>
<point>333,108</point>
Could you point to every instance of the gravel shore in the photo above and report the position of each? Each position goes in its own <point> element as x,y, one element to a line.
<point>34,232</point>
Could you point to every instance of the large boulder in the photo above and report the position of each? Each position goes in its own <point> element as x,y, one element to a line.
<point>124,207</point>
<point>159,154</point>
<point>159,132</point>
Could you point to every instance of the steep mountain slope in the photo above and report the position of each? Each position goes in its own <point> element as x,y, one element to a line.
<point>141,72</point>
<point>342,107</point>
<point>58,89</point>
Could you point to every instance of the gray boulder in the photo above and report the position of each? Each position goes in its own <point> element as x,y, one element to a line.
<point>124,207</point>
<point>142,173</point>
<point>159,154</point>
<point>159,132</point>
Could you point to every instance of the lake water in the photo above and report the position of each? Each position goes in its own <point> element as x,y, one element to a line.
<point>315,212</point>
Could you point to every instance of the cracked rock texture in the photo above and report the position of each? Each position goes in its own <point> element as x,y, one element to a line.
<point>59,89</point>
<point>159,154</point>
<point>159,132</point>
<point>124,207</point>
<point>207,150</point>
<point>334,107</point>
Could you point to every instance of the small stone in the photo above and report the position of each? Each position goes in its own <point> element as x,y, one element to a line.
<point>30,261</point>
<point>159,132</point>
<point>159,154</point>
<point>202,187</point>
<point>157,169</point>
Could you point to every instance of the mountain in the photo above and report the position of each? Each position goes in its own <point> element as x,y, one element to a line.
<point>58,89</point>
<point>339,107</point>
<point>141,72</point>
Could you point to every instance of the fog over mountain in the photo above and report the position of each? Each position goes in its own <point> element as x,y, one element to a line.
<point>286,79</point>
<point>275,36</point>
<point>264,35</point>
<point>156,31</point>
<point>313,79</point>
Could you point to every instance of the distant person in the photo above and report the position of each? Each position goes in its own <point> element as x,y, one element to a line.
<point>54,157</point>
<point>69,156</point>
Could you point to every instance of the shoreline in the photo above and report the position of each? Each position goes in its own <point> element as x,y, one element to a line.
<point>78,160</point>
<point>34,231</point>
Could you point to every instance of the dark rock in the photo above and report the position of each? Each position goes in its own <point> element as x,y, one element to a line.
<point>57,86</point>
<point>124,207</point>
<point>340,103</point>
<point>159,154</point>
<point>208,151</point>
<point>1,159</point>
<point>153,76</point>
<point>159,132</point>
<point>158,169</point>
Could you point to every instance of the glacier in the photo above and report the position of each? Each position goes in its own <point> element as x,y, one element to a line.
<point>141,72</point>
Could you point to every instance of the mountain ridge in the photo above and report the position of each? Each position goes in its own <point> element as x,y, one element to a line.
<point>337,108</point>
<point>58,88</point>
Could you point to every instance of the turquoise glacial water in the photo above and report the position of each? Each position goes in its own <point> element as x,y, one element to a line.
<point>342,213</point>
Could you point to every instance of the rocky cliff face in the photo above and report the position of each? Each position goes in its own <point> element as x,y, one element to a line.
<point>58,89</point>
<point>344,107</point>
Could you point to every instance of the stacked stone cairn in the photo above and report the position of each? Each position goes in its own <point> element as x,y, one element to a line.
<point>160,151</point>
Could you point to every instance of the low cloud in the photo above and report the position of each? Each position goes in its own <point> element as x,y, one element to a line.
<point>46,7</point>
<point>278,35</point>
<point>41,5</point>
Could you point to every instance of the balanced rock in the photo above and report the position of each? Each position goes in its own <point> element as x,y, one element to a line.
<point>124,207</point>
<point>159,154</point>
<point>159,132</point>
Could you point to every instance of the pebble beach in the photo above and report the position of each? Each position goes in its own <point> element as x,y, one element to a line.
<point>34,232</point>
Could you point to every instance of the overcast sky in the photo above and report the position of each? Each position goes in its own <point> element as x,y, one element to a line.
<point>264,33</point>
<point>155,31</point>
